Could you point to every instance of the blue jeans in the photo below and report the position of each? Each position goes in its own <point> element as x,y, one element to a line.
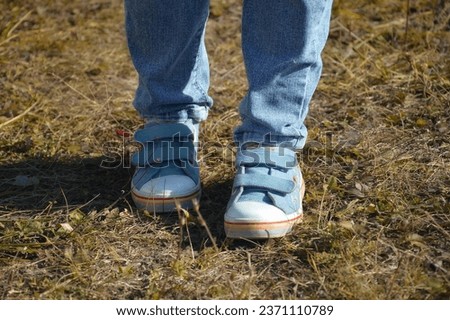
<point>281,40</point>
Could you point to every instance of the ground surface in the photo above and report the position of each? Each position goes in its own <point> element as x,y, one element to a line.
<point>377,164</point>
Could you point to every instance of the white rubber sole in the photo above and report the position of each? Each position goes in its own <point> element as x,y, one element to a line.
<point>260,230</point>
<point>264,229</point>
<point>161,205</point>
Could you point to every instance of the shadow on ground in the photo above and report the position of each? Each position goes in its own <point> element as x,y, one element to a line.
<point>33,184</point>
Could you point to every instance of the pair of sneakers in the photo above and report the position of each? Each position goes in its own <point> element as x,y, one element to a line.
<point>266,199</point>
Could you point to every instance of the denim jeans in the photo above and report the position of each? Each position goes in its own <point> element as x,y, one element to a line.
<point>282,41</point>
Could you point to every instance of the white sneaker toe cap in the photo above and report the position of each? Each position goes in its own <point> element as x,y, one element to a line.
<point>169,186</point>
<point>251,211</point>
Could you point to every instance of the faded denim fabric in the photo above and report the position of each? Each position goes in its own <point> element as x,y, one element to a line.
<point>282,41</point>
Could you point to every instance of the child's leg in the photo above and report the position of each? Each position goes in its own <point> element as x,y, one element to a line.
<point>166,42</point>
<point>282,43</point>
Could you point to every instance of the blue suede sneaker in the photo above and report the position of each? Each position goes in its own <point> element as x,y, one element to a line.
<point>268,189</point>
<point>167,171</point>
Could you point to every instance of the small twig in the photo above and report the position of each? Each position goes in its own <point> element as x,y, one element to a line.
<point>85,204</point>
<point>181,223</point>
<point>80,93</point>
<point>354,35</point>
<point>65,199</point>
<point>183,217</point>
<point>203,224</point>
<point>117,200</point>
<point>4,124</point>
<point>8,39</point>
<point>437,225</point>
<point>9,35</point>
<point>189,235</point>
<point>76,90</point>
<point>18,23</point>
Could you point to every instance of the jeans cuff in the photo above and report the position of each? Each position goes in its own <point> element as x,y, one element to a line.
<point>194,112</point>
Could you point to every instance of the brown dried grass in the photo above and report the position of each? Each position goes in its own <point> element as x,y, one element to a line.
<point>377,164</point>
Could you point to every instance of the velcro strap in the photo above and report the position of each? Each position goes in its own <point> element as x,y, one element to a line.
<point>265,182</point>
<point>267,156</point>
<point>161,151</point>
<point>165,131</point>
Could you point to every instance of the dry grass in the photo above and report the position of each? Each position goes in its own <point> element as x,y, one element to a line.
<point>377,164</point>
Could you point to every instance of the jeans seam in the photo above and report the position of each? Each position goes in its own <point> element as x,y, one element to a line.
<point>195,71</point>
<point>317,58</point>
